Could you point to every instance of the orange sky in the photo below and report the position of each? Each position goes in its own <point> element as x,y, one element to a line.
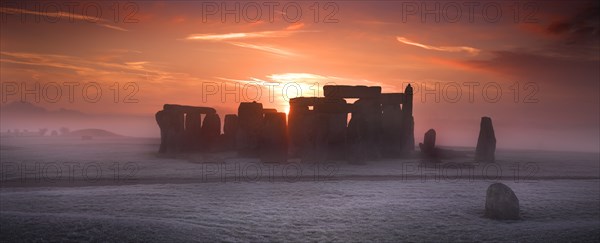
<point>159,52</point>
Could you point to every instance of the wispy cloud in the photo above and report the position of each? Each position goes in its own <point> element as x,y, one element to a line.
<point>470,50</point>
<point>62,15</point>
<point>241,35</point>
<point>252,80</point>
<point>295,26</point>
<point>265,48</point>
<point>288,31</point>
<point>113,27</point>
<point>87,68</point>
<point>234,39</point>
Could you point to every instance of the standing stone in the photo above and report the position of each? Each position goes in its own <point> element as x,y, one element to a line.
<point>161,120</point>
<point>428,145</point>
<point>501,202</point>
<point>336,135</point>
<point>211,129</point>
<point>297,127</point>
<point>408,121</point>
<point>230,130</point>
<point>250,117</point>
<point>356,134</point>
<point>273,138</point>
<point>368,112</point>
<point>392,130</point>
<point>193,131</point>
<point>486,144</point>
<point>171,124</point>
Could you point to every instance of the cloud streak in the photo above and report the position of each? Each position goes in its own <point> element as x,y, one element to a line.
<point>235,39</point>
<point>84,68</point>
<point>265,48</point>
<point>242,35</point>
<point>470,50</point>
<point>62,15</point>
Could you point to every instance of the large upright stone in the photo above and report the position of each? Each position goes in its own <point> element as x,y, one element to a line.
<point>429,152</point>
<point>273,138</point>
<point>171,124</point>
<point>357,134</point>
<point>334,134</point>
<point>391,137</point>
<point>369,109</point>
<point>501,202</point>
<point>250,117</point>
<point>162,121</point>
<point>486,144</point>
<point>211,129</point>
<point>408,121</point>
<point>193,131</point>
<point>230,130</point>
<point>297,127</point>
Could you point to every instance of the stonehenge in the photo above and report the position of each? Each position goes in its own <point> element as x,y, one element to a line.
<point>375,125</point>
<point>486,144</point>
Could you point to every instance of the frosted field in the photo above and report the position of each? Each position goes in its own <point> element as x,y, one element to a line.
<point>121,190</point>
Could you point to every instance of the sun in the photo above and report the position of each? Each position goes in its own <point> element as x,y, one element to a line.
<point>286,109</point>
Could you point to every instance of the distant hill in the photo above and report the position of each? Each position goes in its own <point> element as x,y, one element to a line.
<point>29,109</point>
<point>23,107</point>
<point>92,132</point>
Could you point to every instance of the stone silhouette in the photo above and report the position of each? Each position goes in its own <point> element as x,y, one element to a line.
<point>391,137</point>
<point>250,117</point>
<point>193,134</point>
<point>181,127</point>
<point>346,91</point>
<point>317,128</point>
<point>486,144</point>
<point>230,129</point>
<point>380,124</point>
<point>501,202</point>
<point>273,138</point>
<point>408,121</point>
<point>428,145</point>
<point>211,130</point>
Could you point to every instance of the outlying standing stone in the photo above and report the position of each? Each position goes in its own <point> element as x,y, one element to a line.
<point>501,202</point>
<point>486,144</point>
<point>428,145</point>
